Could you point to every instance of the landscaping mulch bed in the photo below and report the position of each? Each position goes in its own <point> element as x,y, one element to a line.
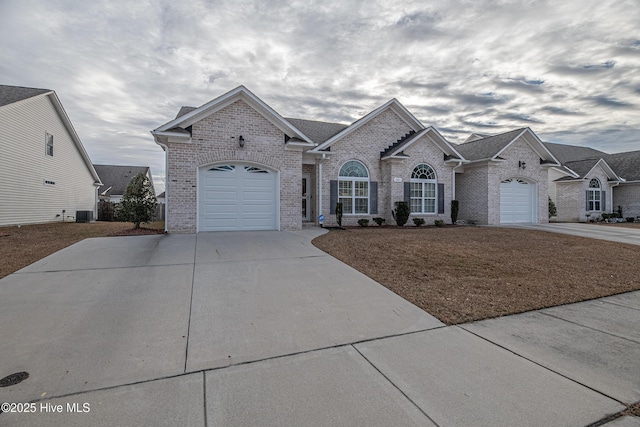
<point>461,274</point>
<point>24,245</point>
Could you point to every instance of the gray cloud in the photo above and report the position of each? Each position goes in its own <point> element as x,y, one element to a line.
<point>123,68</point>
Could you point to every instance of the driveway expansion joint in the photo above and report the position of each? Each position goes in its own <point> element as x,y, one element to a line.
<point>589,327</point>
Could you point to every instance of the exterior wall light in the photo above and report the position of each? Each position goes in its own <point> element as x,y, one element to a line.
<point>521,164</point>
<point>241,141</point>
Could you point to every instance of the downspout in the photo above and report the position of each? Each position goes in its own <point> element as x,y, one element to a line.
<point>165,148</point>
<point>320,186</point>
<point>453,180</point>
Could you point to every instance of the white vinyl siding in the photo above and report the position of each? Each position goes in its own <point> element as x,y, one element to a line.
<point>25,166</point>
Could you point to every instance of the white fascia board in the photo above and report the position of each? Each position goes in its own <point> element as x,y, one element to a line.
<point>398,108</point>
<point>74,135</point>
<point>606,168</point>
<point>227,99</point>
<point>168,136</point>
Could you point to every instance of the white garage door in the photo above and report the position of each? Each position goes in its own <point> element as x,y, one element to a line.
<point>237,196</point>
<point>516,201</point>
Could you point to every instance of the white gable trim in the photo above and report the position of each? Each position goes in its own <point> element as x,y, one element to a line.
<point>72,132</point>
<point>536,146</point>
<point>393,104</point>
<point>605,168</point>
<point>217,104</point>
<point>438,141</point>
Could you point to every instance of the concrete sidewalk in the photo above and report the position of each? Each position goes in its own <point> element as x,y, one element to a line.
<point>262,328</point>
<point>611,232</point>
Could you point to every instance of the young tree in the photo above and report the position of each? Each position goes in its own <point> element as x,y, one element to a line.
<point>138,203</point>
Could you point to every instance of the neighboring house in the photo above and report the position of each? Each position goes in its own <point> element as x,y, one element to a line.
<point>234,163</point>
<point>116,178</point>
<point>160,198</point>
<point>590,183</point>
<point>506,178</point>
<point>45,172</point>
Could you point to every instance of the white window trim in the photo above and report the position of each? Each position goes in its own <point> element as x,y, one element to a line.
<point>352,180</point>
<point>47,137</point>
<point>423,199</point>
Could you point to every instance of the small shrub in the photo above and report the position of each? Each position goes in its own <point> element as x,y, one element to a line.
<point>630,219</point>
<point>363,222</point>
<point>553,211</point>
<point>401,213</point>
<point>605,217</point>
<point>619,211</point>
<point>379,221</point>
<point>455,206</point>
<point>339,214</point>
<point>439,223</point>
<point>418,221</point>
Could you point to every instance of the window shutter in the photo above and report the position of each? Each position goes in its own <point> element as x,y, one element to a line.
<point>587,198</point>
<point>333,196</point>
<point>440,198</point>
<point>407,192</point>
<point>373,198</point>
<point>603,202</point>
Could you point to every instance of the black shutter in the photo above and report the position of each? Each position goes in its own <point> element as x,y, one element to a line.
<point>407,192</point>
<point>604,201</point>
<point>373,198</point>
<point>440,198</point>
<point>333,196</point>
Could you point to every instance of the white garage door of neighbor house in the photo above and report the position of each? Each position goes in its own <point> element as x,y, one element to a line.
<point>516,201</point>
<point>237,196</point>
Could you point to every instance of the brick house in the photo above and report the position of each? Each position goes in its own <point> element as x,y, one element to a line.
<point>234,163</point>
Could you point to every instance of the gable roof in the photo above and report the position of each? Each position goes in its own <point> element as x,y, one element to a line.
<point>491,147</point>
<point>582,168</point>
<point>176,127</point>
<point>393,104</point>
<point>397,150</point>
<point>12,94</point>
<point>567,153</point>
<point>626,165</point>
<point>116,178</point>
<point>317,131</point>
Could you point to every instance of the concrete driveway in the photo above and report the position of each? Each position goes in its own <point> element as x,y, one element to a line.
<point>262,328</point>
<point>611,232</point>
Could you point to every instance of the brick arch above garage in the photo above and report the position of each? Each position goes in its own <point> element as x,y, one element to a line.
<point>239,156</point>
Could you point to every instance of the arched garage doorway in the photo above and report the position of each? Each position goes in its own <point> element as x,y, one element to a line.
<point>517,201</point>
<point>237,196</point>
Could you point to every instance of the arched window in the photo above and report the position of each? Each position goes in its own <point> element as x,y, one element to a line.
<point>423,189</point>
<point>353,188</point>
<point>594,195</point>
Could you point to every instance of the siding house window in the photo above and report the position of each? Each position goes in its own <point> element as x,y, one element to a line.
<point>353,188</point>
<point>49,144</point>
<point>594,195</point>
<point>423,189</point>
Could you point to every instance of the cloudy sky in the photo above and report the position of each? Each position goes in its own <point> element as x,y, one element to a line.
<point>568,69</point>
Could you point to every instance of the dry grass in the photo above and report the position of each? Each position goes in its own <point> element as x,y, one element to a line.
<point>21,246</point>
<point>461,274</point>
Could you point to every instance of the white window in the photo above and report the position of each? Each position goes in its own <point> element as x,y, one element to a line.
<point>353,188</point>
<point>594,195</point>
<point>49,144</point>
<point>423,189</point>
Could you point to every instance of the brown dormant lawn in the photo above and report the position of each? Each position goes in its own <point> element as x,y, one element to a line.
<point>461,274</point>
<point>21,246</point>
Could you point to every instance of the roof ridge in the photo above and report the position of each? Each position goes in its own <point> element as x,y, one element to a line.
<point>492,136</point>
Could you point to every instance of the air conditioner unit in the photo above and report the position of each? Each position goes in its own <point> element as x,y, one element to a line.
<point>84,216</point>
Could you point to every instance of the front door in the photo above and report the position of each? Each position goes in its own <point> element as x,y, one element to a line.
<point>306,207</point>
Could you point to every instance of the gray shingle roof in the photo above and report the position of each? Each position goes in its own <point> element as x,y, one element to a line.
<point>319,132</point>
<point>581,167</point>
<point>117,177</point>
<point>486,148</point>
<point>626,165</point>
<point>11,94</point>
<point>568,153</point>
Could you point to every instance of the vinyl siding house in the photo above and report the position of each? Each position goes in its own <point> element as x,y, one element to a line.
<point>45,172</point>
<point>234,163</point>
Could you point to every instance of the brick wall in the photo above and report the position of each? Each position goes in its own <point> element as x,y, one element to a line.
<point>627,196</point>
<point>214,140</point>
<point>572,197</point>
<point>365,144</point>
